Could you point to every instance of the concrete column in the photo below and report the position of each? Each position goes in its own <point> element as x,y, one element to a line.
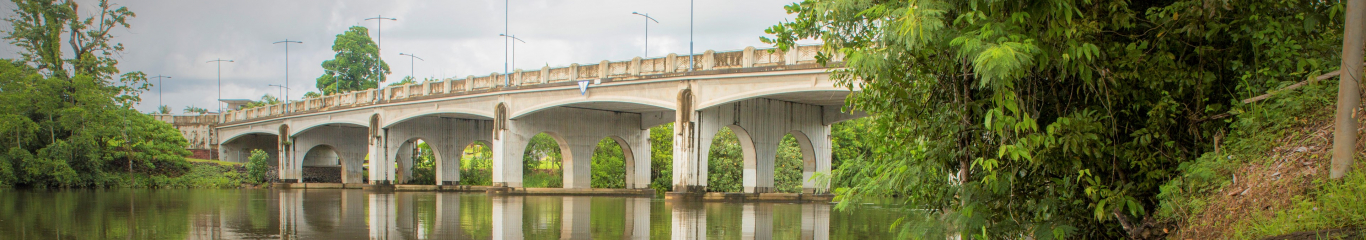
<point>756,221</point>
<point>575,218</point>
<point>578,167</point>
<point>508,146</point>
<point>689,220</point>
<point>507,217</point>
<point>382,217</point>
<point>815,221</point>
<point>380,173</point>
<point>637,218</point>
<point>689,164</point>
<point>289,170</point>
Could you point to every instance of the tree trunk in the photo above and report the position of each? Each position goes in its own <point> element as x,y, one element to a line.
<point>1349,92</point>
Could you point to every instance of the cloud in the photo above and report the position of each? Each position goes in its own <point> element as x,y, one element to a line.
<point>456,38</point>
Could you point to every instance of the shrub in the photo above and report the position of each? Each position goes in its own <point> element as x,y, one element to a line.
<point>257,165</point>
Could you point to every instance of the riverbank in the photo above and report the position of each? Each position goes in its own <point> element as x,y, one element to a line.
<point>1269,178</point>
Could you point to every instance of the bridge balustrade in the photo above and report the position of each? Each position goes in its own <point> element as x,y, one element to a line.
<point>637,68</point>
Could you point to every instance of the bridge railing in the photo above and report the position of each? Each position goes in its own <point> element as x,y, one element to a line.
<point>709,62</point>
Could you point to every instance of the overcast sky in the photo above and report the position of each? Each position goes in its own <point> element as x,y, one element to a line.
<point>456,38</point>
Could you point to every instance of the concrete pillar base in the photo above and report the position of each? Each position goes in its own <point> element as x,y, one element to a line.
<point>381,182</point>
<point>759,190</point>
<point>500,184</point>
<point>449,183</point>
<point>690,189</point>
<point>289,180</point>
<point>813,191</point>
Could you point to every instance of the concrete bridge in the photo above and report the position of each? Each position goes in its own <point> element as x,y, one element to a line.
<point>760,95</point>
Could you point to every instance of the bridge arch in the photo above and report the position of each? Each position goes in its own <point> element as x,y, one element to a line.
<point>394,120</point>
<point>566,169</point>
<point>325,124</point>
<point>628,161</point>
<point>662,105</point>
<point>808,151</point>
<point>807,95</point>
<point>407,160</point>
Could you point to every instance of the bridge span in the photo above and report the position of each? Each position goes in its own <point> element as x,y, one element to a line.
<point>760,95</point>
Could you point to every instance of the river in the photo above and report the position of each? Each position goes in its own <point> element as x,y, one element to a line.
<point>363,214</point>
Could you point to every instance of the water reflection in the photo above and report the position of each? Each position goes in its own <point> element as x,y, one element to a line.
<point>357,214</point>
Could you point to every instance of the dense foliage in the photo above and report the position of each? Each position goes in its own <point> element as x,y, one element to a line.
<point>609,165</point>
<point>67,117</point>
<point>356,66</point>
<point>1053,119</point>
<point>661,158</point>
<point>476,165</point>
<point>542,162</point>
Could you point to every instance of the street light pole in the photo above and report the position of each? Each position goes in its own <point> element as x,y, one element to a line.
<point>506,17</point>
<point>647,31</point>
<point>287,42</point>
<point>220,83</point>
<point>412,63</point>
<point>379,32</point>
<point>514,56</point>
<point>159,92</point>
<point>282,89</point>
<point>690,23</point>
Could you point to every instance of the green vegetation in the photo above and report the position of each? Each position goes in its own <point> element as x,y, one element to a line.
<point>424,165</point>
<point>725,163</point>
<point>357,65</point>
<point>193,109</point>
<point>265,101</point>
<point>257,167</point>
<point>542,160</point>
<point>68,119</point>
<point>661,158</point>
<point>1052,119</point>
<point>608,166</point>
<point>476,165</point>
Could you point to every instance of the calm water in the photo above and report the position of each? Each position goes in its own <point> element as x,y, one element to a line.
<point>359,214</point>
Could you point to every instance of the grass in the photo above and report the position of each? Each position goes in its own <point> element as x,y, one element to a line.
<point>1269,176</point>
<point>1333,205</point>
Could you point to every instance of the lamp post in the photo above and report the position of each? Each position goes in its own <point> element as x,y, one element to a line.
<point>647,31</point>
<point>412,63</point>
<point>220,82</point>
<point>506,15</point>
<point>690,16</point>
<point>287,42</point>
<point>379,32</point>
<point>514,57</point>
<point>159,92</point>
<point>281,88</point>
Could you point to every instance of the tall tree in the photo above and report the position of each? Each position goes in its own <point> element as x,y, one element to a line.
<point>1053,119</point>
<point>70,119</point>
<point>356,66</point>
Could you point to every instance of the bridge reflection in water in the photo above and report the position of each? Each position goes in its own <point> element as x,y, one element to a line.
<point>357,214</point>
